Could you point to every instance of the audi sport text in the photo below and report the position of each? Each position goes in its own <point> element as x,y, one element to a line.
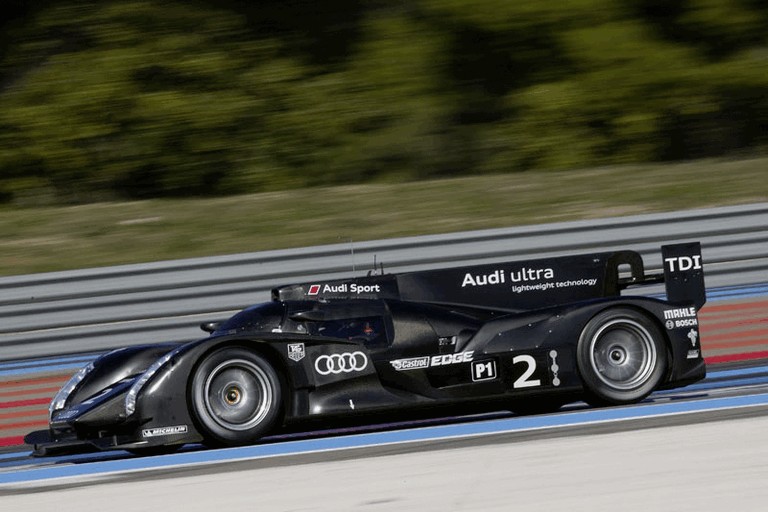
<point>353,288</point>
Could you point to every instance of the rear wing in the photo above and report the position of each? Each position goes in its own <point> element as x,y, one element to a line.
<point>521,285</point>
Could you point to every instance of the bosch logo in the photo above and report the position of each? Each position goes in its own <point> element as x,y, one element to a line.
<point>335,364</point>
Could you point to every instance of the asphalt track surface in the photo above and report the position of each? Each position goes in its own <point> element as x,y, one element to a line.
<point>702,447</point>
<point>705,466</point>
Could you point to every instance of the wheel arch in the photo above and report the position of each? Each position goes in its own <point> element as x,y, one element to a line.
<point>593,320</point>
<point>651,317</point>
<point>256,346</point>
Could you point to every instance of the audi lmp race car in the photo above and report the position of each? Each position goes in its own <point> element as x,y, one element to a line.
<point>525,336</point>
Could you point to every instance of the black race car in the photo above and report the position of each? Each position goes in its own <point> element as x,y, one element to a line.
<point>527,336</point>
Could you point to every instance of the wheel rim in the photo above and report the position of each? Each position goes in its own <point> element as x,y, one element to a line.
<point>238,394</point>
<point>623,354</point>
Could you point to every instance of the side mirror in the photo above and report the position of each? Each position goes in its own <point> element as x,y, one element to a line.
<point>210,327</point>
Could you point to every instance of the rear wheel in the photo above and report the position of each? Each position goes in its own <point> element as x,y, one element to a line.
<point>622,357</point>
<point>235,397</point>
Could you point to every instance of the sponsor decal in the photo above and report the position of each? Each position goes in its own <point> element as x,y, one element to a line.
<point>483,370</point>
<point>555,368</point>
<point>538,287</point>
<point>420,363</point>
<point>164,431</point>
<point>671,314</point>
<point>693,354</point>
<point>523,280</point>
<point>680,317</point>
<point>296,351</point>
<point>693,335</point>
<point>336,364</point>
<point>461,357</point>
<point>411,363</point>
<point>344,288</point>
<point>551,286</point>
<point>515,276</point>
<point>686,322</point>
<point>530,274</point>
<point>683,263</point>
<point>495,277</point>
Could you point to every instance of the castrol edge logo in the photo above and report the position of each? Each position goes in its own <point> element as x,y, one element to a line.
<point>423,362</point>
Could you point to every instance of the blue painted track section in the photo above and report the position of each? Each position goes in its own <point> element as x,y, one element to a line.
<point>738,292</point>
<point>442,432</point>
<point>52,364</point>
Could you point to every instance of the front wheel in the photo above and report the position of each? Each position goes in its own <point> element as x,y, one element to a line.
<point>621,356</point>
<point>235,397</point>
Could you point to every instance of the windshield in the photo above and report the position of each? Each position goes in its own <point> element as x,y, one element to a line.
<point>369,330</point>
<point>265,317</point>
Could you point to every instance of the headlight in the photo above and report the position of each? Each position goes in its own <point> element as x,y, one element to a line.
<point>133,393</point>
<point>60,400</point>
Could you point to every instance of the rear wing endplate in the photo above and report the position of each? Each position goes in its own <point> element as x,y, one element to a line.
<point>684,273</point>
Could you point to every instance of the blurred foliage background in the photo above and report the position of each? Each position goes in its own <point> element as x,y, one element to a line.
<point>127,99</point>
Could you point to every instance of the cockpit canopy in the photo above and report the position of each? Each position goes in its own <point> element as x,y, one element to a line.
<point>361,321</point>
<point>377,323</point>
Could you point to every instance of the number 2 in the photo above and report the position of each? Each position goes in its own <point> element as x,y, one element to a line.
<point>525,381</point>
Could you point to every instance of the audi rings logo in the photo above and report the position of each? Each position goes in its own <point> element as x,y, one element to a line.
<point>341,363</point>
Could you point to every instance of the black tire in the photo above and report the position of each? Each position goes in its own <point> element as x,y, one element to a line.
<point>622,357</point>
<point>235,397</point>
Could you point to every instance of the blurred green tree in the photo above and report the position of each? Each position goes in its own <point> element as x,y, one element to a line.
<point>133,99</point>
